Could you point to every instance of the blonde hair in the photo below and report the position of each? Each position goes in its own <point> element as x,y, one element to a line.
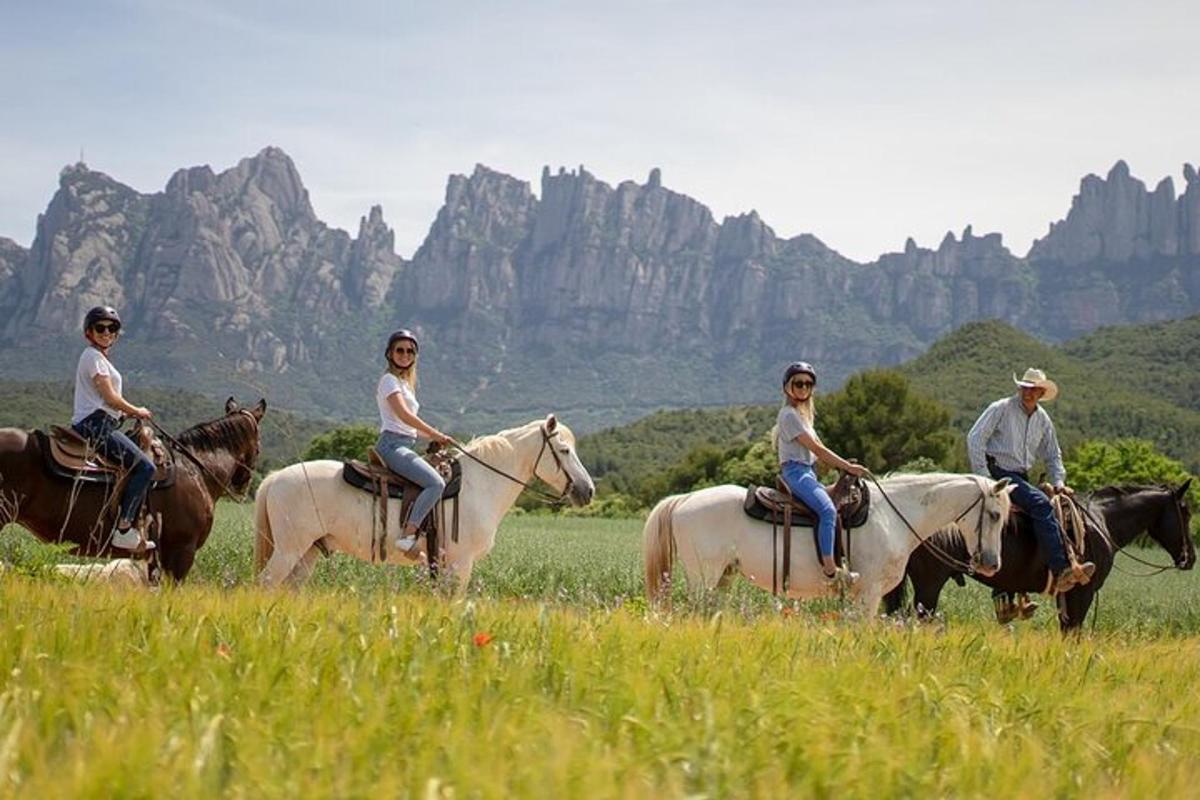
<point>805,408</point>
<point>409,375</point>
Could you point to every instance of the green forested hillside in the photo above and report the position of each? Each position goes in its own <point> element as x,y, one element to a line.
<point>36,404</point>
<point>1114,383</point>
<point>1130,381</point>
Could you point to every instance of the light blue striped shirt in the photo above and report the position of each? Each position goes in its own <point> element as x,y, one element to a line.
<point>1015,439</point>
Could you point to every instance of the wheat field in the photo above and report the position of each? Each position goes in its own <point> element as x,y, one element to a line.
<point>552,678</point>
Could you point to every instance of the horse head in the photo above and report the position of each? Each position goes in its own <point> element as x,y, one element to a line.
<point>1173,530</point>
<point>563,470</point>
<point>994,506</point>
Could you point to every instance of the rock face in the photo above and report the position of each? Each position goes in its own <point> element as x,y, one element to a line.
<point>596,300</point>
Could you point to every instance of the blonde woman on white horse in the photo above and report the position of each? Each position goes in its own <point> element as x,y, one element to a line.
<point>799,449</point>
<point>307,508</point>
<point>399,426</point>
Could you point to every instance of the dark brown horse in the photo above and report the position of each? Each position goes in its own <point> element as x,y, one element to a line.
<point>1126,512</point>
<point>212,459</point>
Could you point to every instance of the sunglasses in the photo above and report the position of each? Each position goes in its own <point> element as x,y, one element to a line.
<point>106,327</point>
<point>404,351</point>
<point>803,384</point>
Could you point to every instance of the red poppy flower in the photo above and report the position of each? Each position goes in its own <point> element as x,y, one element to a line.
<point>482,639</point>
<point>224,651</point>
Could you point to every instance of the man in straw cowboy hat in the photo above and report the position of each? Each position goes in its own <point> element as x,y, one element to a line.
<point>1004,442</point>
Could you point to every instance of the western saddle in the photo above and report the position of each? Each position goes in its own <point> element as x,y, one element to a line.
<point>778,507</point>
<point>69,455</point>
<point>375,477</point>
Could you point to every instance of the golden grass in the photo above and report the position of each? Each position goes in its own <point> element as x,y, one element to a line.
<point>199,691</point>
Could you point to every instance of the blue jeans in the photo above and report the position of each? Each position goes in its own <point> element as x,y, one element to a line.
<point>101,431</point>
<point>802,480</point>
<point>1045,525</point>
<point>397,452</point>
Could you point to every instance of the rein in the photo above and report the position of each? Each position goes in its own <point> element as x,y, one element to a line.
<point>184,450</point>
<point>940,554</point>
<point>538,494</point>
<point>1157,569</point>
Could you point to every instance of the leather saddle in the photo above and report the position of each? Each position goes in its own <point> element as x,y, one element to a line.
<point>68,455</point>
<point>370,474</point>
<point>849,495</point>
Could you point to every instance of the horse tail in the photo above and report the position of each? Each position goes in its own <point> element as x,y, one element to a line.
<point>264,540</point>
<point>658,549</point>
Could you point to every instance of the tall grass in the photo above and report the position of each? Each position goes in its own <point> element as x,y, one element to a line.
<point>199,691</point>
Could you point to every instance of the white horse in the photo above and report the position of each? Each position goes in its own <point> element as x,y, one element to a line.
<point>712,536</point>
<point>309,502</point>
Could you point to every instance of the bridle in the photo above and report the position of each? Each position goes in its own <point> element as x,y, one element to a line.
<point>538,494</point>
<point>183,449</point>
<point>928,542</point>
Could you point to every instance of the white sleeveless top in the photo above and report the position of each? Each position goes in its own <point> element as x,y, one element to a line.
<point>389,384</point>
<point>87,400</point>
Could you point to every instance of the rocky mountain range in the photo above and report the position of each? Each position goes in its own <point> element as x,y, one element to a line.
<point>601,302</point>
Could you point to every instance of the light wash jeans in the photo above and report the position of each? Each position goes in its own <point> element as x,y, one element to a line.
<point>802,480</point>
<point>397,452</point>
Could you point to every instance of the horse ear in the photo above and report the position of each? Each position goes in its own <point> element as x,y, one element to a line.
<point>231,405</point>
<point>551,423</point>
<point>1004,484</point>
<point>260,408</point>
<point>1183,489</point>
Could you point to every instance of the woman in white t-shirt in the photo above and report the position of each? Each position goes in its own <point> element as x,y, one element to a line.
<point>799,450</point>
<point>399,427</point>
<point>99,408</point>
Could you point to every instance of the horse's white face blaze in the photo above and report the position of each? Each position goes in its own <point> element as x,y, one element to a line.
<point>984,533</point>
<point>560,466</point>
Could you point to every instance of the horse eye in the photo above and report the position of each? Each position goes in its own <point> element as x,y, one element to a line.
<point>994,514</point>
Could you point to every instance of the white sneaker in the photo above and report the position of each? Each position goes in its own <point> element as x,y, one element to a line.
<point>130,539</point>
<point>406,544</point>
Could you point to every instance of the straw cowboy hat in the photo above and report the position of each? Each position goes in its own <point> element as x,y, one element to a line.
<point>1037,378</point>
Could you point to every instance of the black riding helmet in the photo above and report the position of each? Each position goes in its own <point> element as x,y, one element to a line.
<point>799,368</point>
<point>397,336</point>
<point>100,314</point>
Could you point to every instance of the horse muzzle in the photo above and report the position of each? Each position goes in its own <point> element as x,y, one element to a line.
<point>582,493</point>
<point>986,563</point>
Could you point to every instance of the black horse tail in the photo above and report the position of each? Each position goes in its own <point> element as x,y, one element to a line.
<point>895,600</point>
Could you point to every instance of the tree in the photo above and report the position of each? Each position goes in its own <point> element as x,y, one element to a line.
<point>879,420</point>
<point>347,442</point>
<point>1099,463</point>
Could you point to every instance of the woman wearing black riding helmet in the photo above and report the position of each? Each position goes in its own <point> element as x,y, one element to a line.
<point>799,450</point>
<point>399,426</point>
<point>99,408</point>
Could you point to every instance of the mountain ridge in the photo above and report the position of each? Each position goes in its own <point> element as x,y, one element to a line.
<point>595,300</point>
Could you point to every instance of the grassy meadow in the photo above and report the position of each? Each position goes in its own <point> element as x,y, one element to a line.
<point>552,678</point>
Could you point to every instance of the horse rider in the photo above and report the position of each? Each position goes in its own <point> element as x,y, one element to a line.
<point>399,426</point>
<point>799,449</point>
<point>1004,443</point>
<point>98,412</point>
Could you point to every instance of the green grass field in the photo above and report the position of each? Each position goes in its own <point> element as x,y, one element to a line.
<point>553,679</point>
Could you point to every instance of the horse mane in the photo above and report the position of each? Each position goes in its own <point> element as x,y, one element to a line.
<point>1130,488</point>
<point>219,434</point>
<point>923,477</point>
<point>495,444</point>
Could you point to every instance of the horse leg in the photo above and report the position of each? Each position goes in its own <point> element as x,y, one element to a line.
<point>456,575</point>
<point>1074,607</point>
<point>304,567</point>
<point>866,603</point>
<point>280,566</point>
<point>177,561</point>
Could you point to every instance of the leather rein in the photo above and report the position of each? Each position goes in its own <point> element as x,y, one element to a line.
<point>538,494</point>
<point>927,541</point>
<point>180,447</point>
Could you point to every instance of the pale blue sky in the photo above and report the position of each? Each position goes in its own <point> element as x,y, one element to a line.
<point>860,122</point>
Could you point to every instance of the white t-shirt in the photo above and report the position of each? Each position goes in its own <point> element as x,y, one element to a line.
<point>389,384</point>
<point>87,400</point>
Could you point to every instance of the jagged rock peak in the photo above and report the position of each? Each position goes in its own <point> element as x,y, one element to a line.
<point>655,179</point>
<point>1189,174</point>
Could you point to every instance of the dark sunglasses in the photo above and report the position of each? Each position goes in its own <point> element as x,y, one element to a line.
<point>106,327</point>
<point>803,384</point>
<point>404,351</point>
